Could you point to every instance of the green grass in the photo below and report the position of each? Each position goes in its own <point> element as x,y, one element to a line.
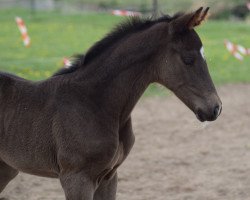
<point>224,68</point>
<point>55,36</point>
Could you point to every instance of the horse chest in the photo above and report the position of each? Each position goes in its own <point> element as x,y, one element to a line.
<point>117,160</point>
<point>119,156</point>
<point>121,153</point>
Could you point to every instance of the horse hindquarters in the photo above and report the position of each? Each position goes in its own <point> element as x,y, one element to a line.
<point>7,173</point>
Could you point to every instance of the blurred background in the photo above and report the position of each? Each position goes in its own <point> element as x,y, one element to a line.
<point>61,28</point>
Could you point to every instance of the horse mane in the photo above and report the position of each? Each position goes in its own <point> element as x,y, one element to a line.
<point>129,26</point>
<point>78,61</point>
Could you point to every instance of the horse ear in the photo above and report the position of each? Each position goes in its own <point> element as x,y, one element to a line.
<point>198,17</point>
<point>189,21</point>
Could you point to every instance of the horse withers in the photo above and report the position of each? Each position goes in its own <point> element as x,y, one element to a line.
<point>76,125</point>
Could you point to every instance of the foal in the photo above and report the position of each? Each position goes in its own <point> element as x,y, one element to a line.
<point>76,126</point>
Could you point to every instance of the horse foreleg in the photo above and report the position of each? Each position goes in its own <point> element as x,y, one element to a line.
<point>77,186</point>
<point>107,189</point>
<point>7,173</point>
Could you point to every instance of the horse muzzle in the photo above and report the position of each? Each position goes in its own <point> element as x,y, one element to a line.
<point>210,115</point>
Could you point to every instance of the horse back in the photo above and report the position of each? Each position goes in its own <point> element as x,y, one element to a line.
<point>9,82</point>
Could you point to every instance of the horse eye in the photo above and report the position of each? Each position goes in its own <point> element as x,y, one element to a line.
<point>188,59</point>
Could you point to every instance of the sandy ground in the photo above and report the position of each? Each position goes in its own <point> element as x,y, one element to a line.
<point>175,156</point>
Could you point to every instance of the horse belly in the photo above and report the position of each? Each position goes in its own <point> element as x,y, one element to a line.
<point>33,157</point>
<point>27,143</point>
<point>41,166</point>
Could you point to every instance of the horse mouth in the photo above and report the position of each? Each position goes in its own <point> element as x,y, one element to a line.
<point>200,117</point>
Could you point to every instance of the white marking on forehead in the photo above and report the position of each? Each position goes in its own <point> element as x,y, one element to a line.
<point>202,53</point>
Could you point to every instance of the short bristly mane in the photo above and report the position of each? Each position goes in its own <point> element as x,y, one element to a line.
<point>78,61</point>
<point>130,26</point>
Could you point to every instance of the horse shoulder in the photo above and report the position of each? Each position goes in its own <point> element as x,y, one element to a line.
<point>82,138</point>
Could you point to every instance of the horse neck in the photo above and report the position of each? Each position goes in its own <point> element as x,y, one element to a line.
<point>123,92</point>
<point>117,80</point>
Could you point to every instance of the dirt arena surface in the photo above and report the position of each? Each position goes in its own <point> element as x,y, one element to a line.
<point>175,157</point>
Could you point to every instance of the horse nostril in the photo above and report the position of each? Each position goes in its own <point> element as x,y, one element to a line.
<point>217,111</point>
